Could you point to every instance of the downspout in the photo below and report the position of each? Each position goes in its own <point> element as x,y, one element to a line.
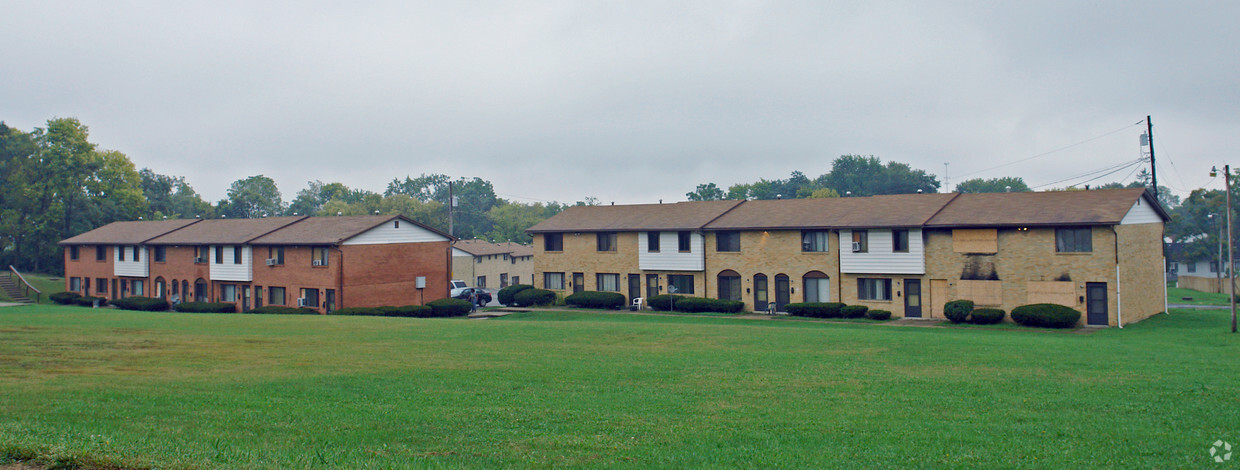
<point>1166,307</point>
<point>340,280</point>
<point>1119,295</point>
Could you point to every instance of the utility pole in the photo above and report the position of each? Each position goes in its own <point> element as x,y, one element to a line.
<point>946,181</point>
<point>450,204</point>
<point>1231,255</point>
<point>1149,131</point>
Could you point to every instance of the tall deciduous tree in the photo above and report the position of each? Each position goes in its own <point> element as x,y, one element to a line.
<point>1014,184</point>
<point>705,192</point>
<point>253,197</point>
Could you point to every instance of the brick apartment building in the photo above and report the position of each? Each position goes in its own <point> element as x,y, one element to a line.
<point>323,263</point>
<point>1097,251</point>
<point>492,265</point>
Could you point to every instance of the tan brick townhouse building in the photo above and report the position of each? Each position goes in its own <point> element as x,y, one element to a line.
<point>1097,251</point>
<point>492,265</point>
<point>323,263</point>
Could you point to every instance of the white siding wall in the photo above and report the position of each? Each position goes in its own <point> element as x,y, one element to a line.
<point>881,259</point>
<point>227,271</point>
<point>129,267</point>
<point>669,257</point>
<point>389,233</point>
<point>1141,213</point>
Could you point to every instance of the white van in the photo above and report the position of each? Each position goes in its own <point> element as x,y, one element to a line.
<point>456,286</point>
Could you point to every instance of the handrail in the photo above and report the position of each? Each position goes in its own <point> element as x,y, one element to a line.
<point>29,287</point>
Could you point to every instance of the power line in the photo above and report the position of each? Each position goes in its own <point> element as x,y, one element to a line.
<point>1043,154</point>
<point>1105,171</point>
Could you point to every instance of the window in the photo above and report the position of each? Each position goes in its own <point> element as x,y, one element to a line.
<point>161,254</point>
<point>680,284</point>
<point>1074,240</point>
<point>275,296</point>
<point>311,297</point>
<point>553,242</point>
<point>860,241</point>
<point>607,282</point>
<point>101,285</point>
<point>101,252</point>
<point>503,280</point>
<point>120,252</point>
<point>236,255</point>
<point>75,284</point>
<point>1192,267</point>
<point>899,241</point>
<point>729,285</point>
<point>219,255</point>
<point>727,241</point>
<point>396,224</point>
<point>873,289</point>
<point>652,241</point>
<point>516,280</point>
<point>606,241</point>
<point>482,282</point>
<point>73,253</point>
<point>139,287</point>
<point>200,254</point>
<point>817,287</point>
<point>136,250</point>
<point>683,242</point>
<point>1214,266</point>
<point>553,281</point>
<point>161,289</point>
<point>814,240</point>
<point>276,253</point>
<point>228,293</point>
<point>318,257</point>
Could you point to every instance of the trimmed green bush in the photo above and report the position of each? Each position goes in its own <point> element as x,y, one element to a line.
<point>410,311</point>
<point>282,310</point>
<point>680,303</point>
<point>206,307</point>
<point>371,311</point>
<point>958,310</point>
<point>65,298</point>
<point>88,301</point>
<point>815,309</point>
<point>879,315</point>
<point>854,311</point>
<point>1046,316</point>
<point>505,295</point>
<point>986,316</point>
<point>145,304</point>
<point>450,307</point>
<point>591,299</point>
<point>533,297</point>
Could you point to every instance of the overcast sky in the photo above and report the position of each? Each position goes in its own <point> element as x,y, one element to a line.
<point>628,101</point>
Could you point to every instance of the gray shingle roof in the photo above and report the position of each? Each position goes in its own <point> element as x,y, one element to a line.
<point>127,233</point>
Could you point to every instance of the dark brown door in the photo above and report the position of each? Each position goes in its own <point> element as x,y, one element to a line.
<point>760,300</point>
<point>579,282</point>
<point>912,298</point>
<point>114,290</point>
<point>652,286</point>
<point>1096,303</point>
<point>781,292</point>
<point>635,286</point>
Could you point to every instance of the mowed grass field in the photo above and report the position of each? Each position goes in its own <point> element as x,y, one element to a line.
<point>111,388</point>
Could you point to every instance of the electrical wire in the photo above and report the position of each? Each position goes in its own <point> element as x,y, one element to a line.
<point>1043,154</point>
<point>1106,171</point>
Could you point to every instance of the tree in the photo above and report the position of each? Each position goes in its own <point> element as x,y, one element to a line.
<point>1013,184</point>
<point>705,192</point>
<point>823,193</point>
<point>509,221</point>
<point>253,197</point>
<point>857,175</point>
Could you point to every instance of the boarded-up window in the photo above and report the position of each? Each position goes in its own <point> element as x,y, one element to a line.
<point>1051,292</point>
<point>975,240</point>
<point>988,293</point>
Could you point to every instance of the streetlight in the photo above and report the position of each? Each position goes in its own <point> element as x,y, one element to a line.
<point>1231,256</point>
<point>1218,265</point>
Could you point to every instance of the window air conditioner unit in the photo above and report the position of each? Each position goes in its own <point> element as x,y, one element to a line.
<point>271,261</point>
<point>856,247</point>
<point>317,262</point>
<point>200,260</point>
<point>302,302</point>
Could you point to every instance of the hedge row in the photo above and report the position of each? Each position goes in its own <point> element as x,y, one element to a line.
<point>680,303</point>
<point>1046,316</point>
<point>145,304</point>
<point>815,309</point>
<point>986,316</point>
<point>533,297</point>
<point>958,310</point>
<point>65,298</point>
<point>878,315</point>
<point>505,295</point>
<point>282,310</point>
<point>591,299</point>
<point>450,307</point>
<point>206,307</point>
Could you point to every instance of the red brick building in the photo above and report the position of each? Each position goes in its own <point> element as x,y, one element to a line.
<point>323,263</point>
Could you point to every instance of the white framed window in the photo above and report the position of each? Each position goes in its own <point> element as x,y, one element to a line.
<point>873,289</point>
<point>814,240</point>
<point>553,281</point>
<point>608,282</point>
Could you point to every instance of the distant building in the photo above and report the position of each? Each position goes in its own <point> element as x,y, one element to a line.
<point>492,265</point>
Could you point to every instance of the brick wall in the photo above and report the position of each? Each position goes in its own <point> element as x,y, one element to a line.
<point>771,253</point>
<point>378,275</point>
<point>86,267</point>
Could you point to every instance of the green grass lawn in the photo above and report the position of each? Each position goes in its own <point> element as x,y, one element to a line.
<point>1178,295</point>
<point>580,389</point>
<point>46,283</point>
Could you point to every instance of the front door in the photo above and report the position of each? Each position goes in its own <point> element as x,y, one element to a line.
<point>579,282</point>
<point>781,292</point>
<point>912,298</point>
<point>1096,303</point>
<point>652,286</point>
<point>245,298</point>
<point>114,290</point>
<point>760,300</point>
<point>258,296</point>
<point>936,299</point>
<point>635,286</point>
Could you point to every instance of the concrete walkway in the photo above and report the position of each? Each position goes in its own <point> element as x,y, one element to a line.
<point>11,304</point>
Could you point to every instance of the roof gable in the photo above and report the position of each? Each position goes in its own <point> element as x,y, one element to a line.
<point>1094,207</point>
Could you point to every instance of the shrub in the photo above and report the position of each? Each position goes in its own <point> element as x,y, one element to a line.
<point>88,301</point>
<point>986,316</point>
<point>854,311</point>
<point>145,304</point>
<point>505,295</point>
<point>533,297</point>
<point>450,307</point>
<point>958,310</point>
<point>815,309</point>
<point>372,311</point>
<point>685,304</point>
<point>413,311</point>
<point>1046,316</point>
<point>610,300</point>
<point>65,298</point>
<point>878,315</point>
<point>282,310</point>
<point>206,307</point>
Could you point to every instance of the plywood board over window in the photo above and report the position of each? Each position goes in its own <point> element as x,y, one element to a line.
<point>982,293</point>
<point>1051,292</point>
<point>975,240</point>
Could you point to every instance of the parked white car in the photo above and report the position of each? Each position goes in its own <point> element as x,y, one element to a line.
<point>457,286</point>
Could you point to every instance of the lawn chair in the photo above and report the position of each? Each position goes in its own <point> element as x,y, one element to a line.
<point>637,304</point>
